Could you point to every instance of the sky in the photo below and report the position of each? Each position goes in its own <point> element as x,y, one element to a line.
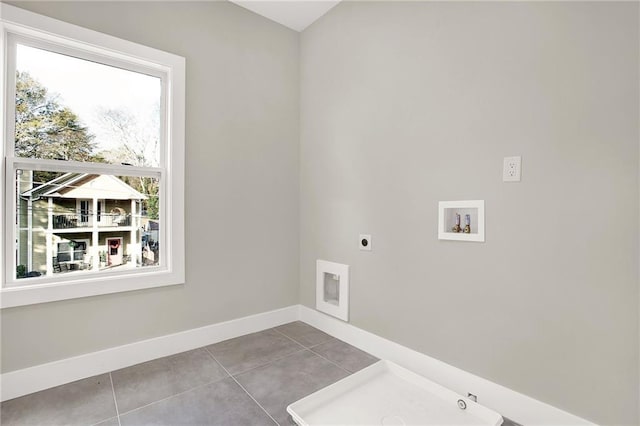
<point>86,87</point>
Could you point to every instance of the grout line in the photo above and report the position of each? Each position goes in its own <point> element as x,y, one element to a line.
<point>174,395</point>
<point>310,349</point>
<point>334,363</point>
<point>291,338</point>
<point>267,363</point>
<point>179,393</point>
<point>302,348</point>
<point>242,387</point>
<point>213,381</point>
<point>115,401</point>
<point>102,421</point>
<point>311,346</point>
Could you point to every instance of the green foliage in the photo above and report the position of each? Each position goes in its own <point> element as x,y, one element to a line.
<point>45,129</point>
<point>21,271</point>
<point>153,207</point>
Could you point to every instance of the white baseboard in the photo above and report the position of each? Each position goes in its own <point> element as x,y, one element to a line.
<point>516,406</point>
<point>22,382</point>
<point>509,403</point>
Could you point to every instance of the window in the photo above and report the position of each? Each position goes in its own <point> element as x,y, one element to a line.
<point>72,250</point>
<point>94,162</point>
<point>83,209</point>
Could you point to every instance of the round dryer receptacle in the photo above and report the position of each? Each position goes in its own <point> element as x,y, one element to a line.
<point>364,242</point>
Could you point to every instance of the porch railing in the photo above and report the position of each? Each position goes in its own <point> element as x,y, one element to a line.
<point>74,220</point>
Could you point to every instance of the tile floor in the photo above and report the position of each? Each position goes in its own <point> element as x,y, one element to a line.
<point>248,380</point>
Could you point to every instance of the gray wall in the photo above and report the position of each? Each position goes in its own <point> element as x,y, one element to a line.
<point>402,105</point>
<point>406,104</point>
<point>241,182</point>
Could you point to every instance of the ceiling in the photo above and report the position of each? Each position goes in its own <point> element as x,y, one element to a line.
<point>295,14</point>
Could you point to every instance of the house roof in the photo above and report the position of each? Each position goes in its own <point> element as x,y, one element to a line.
<point>49,188</point>
<point>85,185</point>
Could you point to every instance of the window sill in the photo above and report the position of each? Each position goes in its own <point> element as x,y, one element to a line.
<point>85,286</point>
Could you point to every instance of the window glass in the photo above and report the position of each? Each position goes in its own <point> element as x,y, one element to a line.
<point>74,109</point>
<point>84,211</point>
<point>93,154</point>
<point>60,231</point>
<point>71,250</point>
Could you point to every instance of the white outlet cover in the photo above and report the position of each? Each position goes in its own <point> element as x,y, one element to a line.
<point>364,242</point>
<point>512,169</point>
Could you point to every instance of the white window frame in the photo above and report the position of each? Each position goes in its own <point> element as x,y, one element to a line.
<point>36,30</point>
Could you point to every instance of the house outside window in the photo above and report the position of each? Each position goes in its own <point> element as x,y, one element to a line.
<point>94,162</point>
<point>60,214</point>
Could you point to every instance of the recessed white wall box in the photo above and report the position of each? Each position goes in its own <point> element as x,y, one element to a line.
<point>512,169</point>
<point>364,242</point>
<point>332,289</point>
<point>461,220</point>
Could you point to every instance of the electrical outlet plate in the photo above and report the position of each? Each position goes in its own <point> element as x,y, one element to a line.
<point>364,242</point>
<point>511,170</point>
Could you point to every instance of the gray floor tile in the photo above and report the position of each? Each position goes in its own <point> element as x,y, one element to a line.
<point>303,333</point>
<point>154,380</point>
<point>219,403</point>
<point>252,350</point>
<point>113,421</point>
<point>346,356</point>
<point>282,382</point>
<point>85,402</point>
<point>509,422</point>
